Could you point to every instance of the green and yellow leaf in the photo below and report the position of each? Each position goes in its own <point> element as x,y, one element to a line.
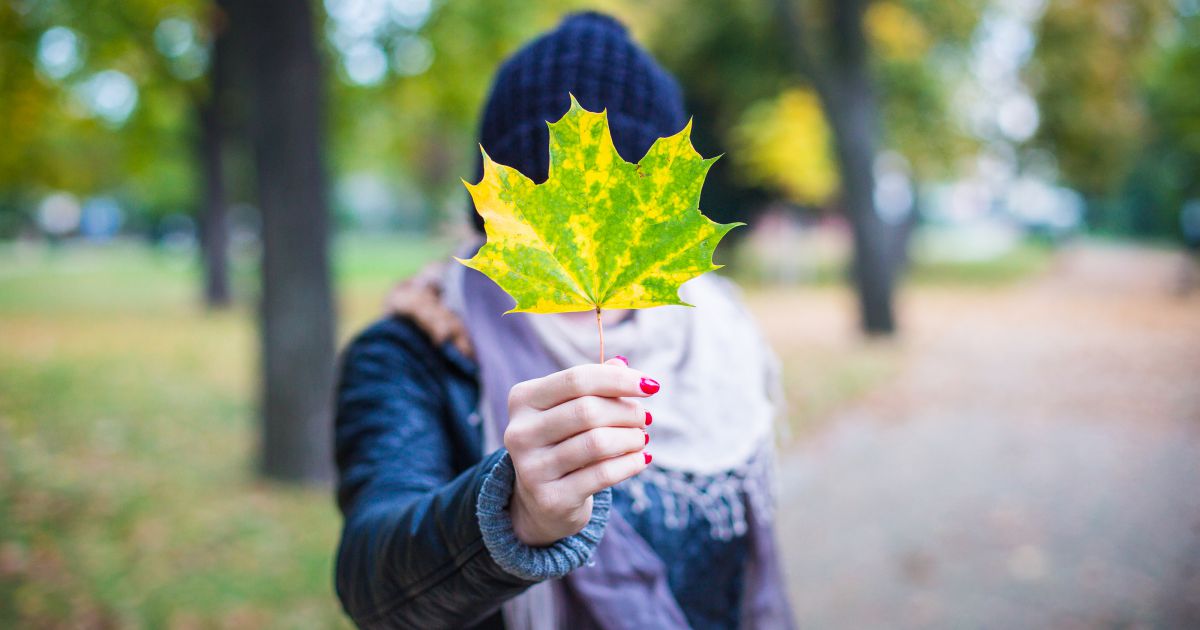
<point>600,232</point>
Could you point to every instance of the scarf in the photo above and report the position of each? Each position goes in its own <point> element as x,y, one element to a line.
<point>712,443</point>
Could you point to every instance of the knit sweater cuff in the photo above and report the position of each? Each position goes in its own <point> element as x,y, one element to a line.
<point>533,563</point>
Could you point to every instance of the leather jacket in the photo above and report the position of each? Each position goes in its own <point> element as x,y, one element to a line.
<point>408,449</point>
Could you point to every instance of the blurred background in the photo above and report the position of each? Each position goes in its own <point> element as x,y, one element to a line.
<point>973,242</point>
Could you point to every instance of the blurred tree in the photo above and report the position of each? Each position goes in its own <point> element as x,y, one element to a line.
<point>297,317</point>
<point>914,70</point>
<point>124,103</point>
<point>856,57</point>
<point>1166,174</point>
<point>25,102</point>
<point>844,85</point>
<point>1085,76</point>
<point>784,143</point>
<point>726,66</point>
<point>920,51</point>
<point>433,62</point>
<point>91,106</point>
<point>212,112</point>
<point>108,99</point>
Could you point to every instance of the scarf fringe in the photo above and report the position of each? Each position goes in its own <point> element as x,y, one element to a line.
<point>720,500</point>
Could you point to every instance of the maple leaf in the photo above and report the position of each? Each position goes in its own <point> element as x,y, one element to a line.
<point>600,232</point>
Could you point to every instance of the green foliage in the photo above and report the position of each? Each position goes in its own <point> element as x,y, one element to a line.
<point>786,143</point>
<point>919,47</point>
<point>1085,74</point>
<point>743,95</point>
<point>600,232</point>
<point>53,141</point>
<point>1116,85</point>
<point>917,65</point>
<point>421,128</point>
<point>1099,73</point>
<point>1165,175</point>
<point>1174,101</point>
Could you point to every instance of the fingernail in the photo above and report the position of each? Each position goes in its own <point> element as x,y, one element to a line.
<point>649,457</point>
<point>622,359</point>
<point>649,418</point>
<point>647,438</point>
<point>649,385</point>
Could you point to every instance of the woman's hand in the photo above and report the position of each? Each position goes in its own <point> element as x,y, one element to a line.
<point>419,298</point>
<point>570,435</point>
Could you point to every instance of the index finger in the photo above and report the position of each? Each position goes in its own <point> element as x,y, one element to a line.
<point>610,381</point>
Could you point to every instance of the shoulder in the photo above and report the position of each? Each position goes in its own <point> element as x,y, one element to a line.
<point>391,344</point>
<point>391,335</point>
<point>400,343</point>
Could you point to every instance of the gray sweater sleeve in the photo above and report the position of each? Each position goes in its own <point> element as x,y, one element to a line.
<point>533,563</point>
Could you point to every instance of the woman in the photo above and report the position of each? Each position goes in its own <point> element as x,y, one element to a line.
<point>492,476</point>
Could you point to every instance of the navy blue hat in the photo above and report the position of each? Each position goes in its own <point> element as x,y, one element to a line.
<point>591,56</point>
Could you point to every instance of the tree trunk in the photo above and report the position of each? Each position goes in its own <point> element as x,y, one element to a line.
<point>854,117</point>
<point>214,215</point>
<point>297,318</point>
<point>844,87</point>
<point>874,246</point>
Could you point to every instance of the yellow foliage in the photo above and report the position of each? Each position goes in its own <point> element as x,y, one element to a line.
<point>785,143</point>
<point>896,32</point>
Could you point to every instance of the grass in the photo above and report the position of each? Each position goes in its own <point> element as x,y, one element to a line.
<point>823,379</point>
<point>1027,259</point>
<point>127,435</point>
<point>827,265</point>
<point>127,440</point>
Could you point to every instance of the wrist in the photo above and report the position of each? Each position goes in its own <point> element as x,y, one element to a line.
<point>524,525</point>
<point>540,532</point>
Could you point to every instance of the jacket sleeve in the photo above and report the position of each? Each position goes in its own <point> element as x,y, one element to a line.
<point>412,552</point>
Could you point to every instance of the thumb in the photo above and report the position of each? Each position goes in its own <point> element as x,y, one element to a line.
<point>618,360</point>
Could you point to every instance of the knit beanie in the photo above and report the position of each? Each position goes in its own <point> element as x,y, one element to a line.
<point>591,56</point>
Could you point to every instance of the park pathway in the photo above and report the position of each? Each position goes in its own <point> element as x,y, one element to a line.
<point>1036,463</point>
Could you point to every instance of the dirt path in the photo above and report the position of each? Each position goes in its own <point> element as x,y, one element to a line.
<point>1035,465</point>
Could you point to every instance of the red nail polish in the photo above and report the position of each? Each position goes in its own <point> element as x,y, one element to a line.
<point>622,359</point>
<point>649,457</point>
<point>649,418</point>
<point>647,438</point>
<point>649,385</point>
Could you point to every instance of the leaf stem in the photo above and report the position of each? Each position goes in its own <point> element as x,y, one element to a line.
<point>600,327</point>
